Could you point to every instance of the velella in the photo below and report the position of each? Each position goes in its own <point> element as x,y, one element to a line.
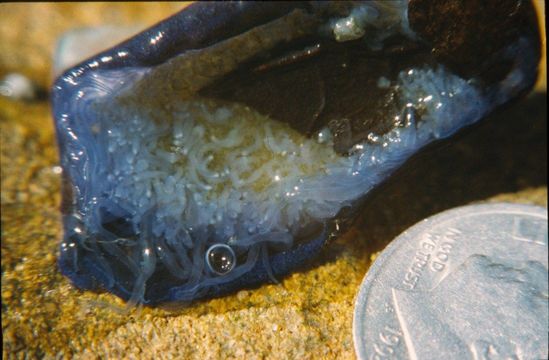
<point>226,145</point>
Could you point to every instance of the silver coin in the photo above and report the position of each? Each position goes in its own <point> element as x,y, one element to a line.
<point>468,283</point>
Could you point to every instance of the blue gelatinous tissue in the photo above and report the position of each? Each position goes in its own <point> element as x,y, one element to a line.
<point>224,146</point>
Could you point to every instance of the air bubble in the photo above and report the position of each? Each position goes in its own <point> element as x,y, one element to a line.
<point>220,259</point>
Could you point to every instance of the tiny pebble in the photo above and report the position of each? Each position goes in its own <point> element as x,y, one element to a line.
<point>18,87</point>
<point>242,295</point>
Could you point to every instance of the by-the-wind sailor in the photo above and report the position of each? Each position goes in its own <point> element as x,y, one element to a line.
<point>220,148</point>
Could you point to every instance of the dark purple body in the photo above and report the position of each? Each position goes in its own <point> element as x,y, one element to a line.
<point>206,23</point>
<point>197,26</point>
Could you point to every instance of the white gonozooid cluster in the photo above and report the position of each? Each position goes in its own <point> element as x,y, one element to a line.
<point>228,166</point>
<point>373,20</point>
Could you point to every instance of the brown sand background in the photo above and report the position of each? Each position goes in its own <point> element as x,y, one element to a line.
<point>307,316</point>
